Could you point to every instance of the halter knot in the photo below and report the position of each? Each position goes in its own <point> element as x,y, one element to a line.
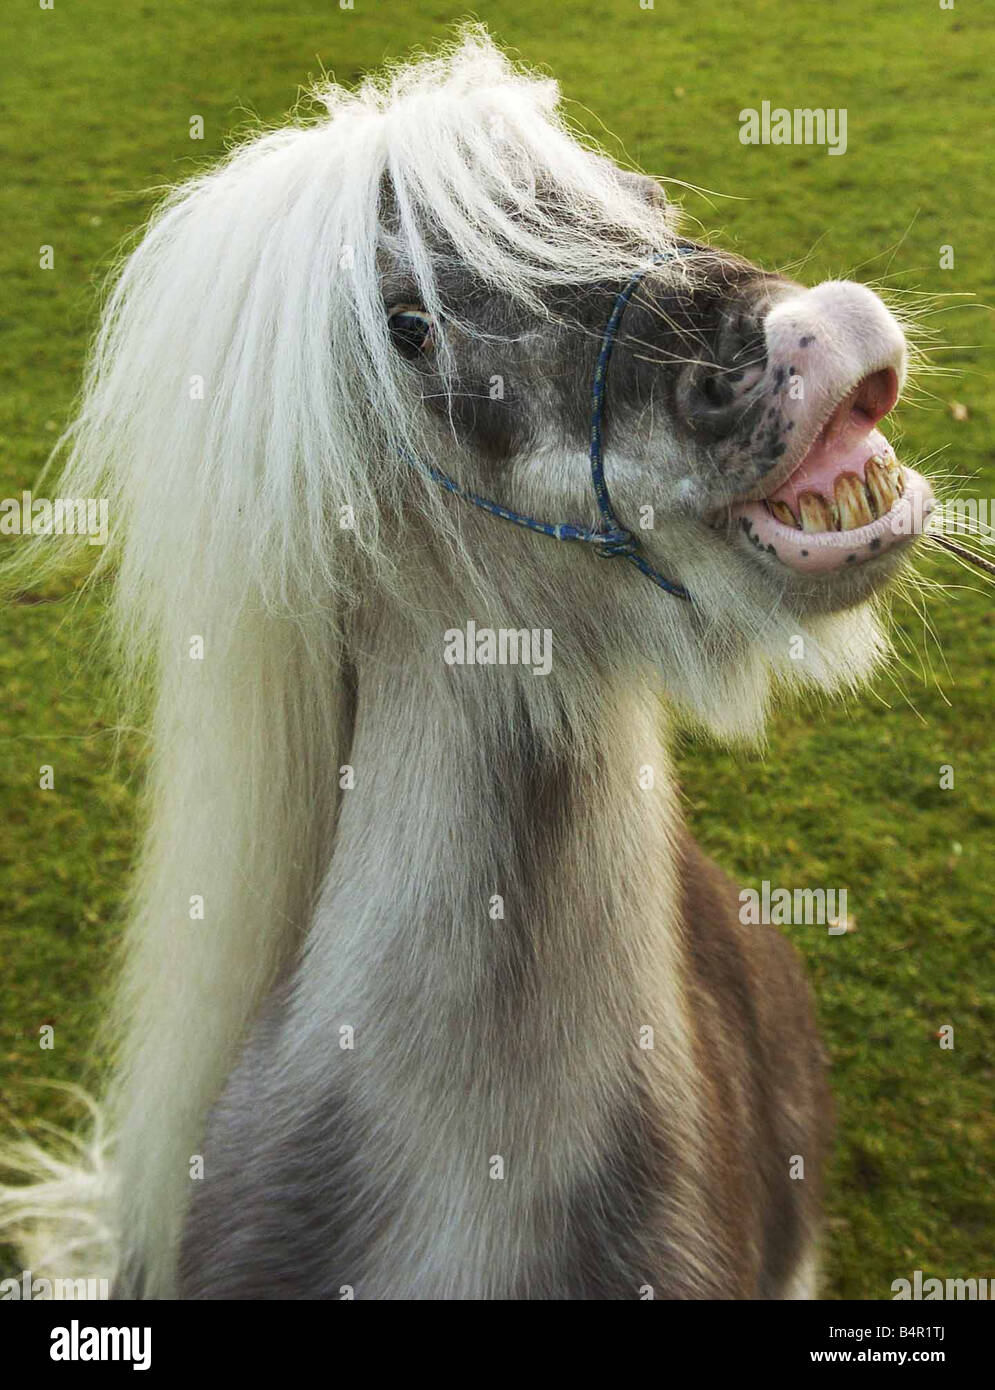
<point>608,544</point>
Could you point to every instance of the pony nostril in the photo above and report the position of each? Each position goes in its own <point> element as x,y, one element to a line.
<point>716,395</point>
<point>718,391</point>
<point>712,401</point>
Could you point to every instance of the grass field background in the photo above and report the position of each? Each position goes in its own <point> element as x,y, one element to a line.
<point>96,115</point>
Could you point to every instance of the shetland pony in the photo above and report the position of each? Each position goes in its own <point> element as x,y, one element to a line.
<point>426,990</point>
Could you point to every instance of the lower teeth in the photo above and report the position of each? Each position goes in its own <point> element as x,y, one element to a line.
<point>856,502</point>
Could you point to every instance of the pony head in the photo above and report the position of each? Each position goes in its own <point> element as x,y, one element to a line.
<point>424,274</point>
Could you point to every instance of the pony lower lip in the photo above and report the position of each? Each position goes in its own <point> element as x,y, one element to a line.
<point>825,551</point>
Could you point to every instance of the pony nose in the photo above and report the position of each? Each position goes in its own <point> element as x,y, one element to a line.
<point>839,343</point>
<point>714,395</point>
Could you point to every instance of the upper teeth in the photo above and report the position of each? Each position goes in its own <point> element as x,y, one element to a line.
<point>854,503</point>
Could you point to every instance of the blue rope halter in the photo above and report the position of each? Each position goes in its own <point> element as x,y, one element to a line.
<point>612,538</point>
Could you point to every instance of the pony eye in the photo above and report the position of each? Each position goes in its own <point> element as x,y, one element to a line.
<point>410,329</point>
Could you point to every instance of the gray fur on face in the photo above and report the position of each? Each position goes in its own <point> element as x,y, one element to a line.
<point>521,382</point>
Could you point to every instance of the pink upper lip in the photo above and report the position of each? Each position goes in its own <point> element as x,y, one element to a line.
<point>845,440</point>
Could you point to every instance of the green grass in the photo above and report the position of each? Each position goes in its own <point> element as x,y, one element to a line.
<point>97,108</point>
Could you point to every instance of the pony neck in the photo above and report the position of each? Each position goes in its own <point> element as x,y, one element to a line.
<point>484,845</point>
<point>493,984</point>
